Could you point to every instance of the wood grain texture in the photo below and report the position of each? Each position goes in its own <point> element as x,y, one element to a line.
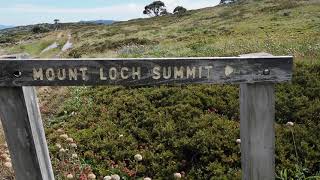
<point>38,134</point>
<point>236,70</point>
<point>257,114</point>
<point>24,132</point>
<point>18,132</point>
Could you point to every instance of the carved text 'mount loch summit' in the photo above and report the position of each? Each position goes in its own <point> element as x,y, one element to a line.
<point>122,73</point>
<point>144,72</point>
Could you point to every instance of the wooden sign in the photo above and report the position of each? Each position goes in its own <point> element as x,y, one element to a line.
<point>139,72</point>
<point>21,119</point>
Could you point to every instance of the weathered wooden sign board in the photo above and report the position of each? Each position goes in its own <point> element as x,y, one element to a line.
<point>256,75</point>
<point>144,72</point>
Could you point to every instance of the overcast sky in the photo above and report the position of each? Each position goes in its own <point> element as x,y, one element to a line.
<point>23,12</point>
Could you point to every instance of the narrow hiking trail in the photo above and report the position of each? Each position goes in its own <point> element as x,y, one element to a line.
<point>68,45</point>
<point>52,46</point>
<point>61,42</point>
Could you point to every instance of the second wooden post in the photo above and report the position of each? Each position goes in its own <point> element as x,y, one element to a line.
<point>257,114</point>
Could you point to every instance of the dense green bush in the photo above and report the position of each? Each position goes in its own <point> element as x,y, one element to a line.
<point>6,39</point>
<point>298,150</point>
<point>190,129</point>
<point>39,29</point>
<point>74,53</point>
<point>299,101</point>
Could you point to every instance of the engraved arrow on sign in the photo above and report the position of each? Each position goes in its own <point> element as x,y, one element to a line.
<point>228,70</point>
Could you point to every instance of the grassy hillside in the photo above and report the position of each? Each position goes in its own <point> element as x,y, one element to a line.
<point>278,27</point>
<point>191,129</point>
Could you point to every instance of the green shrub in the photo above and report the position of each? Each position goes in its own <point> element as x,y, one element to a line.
<point>299,101</point>
<point>75,53</point>
<point>6,39</point>
<point>297,150</point>
<point>39,29</point>
<point>175,129</point>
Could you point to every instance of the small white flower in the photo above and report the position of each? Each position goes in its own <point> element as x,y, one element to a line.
<point>107,178</point>
<point>73,113</point>
<point>8,164</point>
<point>121,135</point>
<point>138,157</point>
<point>74,156</point>
<point>69,176</point>
<point>58,146</point>
<point>115,177</point>
<point>177,175</point>
<point>238,141</point>
<point>70,140</point>
<point>64,136</point>
<point>74,145</point>
<point>146,178</point>
<point>4,156</point>
<point>91,176</point>
<point>62,150</point>
<point>8,159</point>
<point>290,123</point>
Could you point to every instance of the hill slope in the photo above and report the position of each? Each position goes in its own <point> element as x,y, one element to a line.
<point>98,22</point>
<point>219,31</point>
<point>191,130</point>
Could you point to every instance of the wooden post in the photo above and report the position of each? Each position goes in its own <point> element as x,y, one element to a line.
<point>257,113</point>
<point>22,124</point>
<point>24,133</point>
